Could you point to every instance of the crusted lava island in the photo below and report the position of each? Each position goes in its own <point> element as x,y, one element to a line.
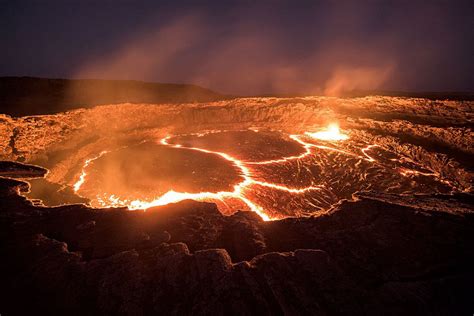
<point>260,206</point>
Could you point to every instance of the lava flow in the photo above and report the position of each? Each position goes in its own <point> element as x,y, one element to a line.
<point>82,177</point>
<point>273,174</point>
<point>331,133</point>
<point>275,157</point>
<point>238,193</point>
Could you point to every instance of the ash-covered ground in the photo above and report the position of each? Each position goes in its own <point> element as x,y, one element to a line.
<point>301,206</point>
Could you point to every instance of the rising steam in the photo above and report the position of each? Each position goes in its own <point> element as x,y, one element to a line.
<point>241,61</point>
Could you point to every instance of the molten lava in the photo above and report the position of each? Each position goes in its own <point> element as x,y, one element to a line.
<point>238,193</point>
<point>82,177</point>
<point>331,133</point>
<point>313,177</point>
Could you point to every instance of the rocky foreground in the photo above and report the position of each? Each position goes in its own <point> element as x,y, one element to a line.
<point>380,254</point>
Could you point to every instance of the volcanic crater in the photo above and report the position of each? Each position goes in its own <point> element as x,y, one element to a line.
<point>317,197</point>
<point>268,165</point>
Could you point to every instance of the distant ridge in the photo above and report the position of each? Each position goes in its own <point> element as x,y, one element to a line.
<point>20,96</point>
<point>443,95</point>
<point>433,95</point>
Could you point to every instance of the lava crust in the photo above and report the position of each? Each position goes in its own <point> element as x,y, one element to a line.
<point>312,205</point>
<point>370,256</point>
<point>272,144</point>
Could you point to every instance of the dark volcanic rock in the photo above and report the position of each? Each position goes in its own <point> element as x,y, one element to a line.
<point>377,255</point>
<point>9,187</point>
<point>19,170</point>
<point>29,96</point>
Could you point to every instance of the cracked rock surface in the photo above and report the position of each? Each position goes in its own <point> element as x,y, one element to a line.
<point>379,254</point>
<point>403,243</point>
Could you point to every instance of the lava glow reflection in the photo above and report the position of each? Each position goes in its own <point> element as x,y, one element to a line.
<point>241,196</point>
<point>331,133</point>
<point>238,192</point>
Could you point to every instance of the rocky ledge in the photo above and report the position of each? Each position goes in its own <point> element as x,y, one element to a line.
<point>13,169</point>
<point>379,254</point>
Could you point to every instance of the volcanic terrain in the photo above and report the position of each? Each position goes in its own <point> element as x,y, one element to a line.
<point>250,205</point>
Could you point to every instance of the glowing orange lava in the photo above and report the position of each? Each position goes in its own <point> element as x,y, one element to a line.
<point>331,133</point>
<point>82,177</point>
<point>238,192</point>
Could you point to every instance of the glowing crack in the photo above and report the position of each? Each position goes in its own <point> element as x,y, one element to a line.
<point>238,192</point>
<point>331,135</point>
<point>82,178</point>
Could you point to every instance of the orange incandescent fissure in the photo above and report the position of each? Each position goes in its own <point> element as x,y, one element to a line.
<point>300,174</point>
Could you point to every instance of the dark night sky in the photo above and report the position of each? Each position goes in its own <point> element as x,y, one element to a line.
<point>246,47</point>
